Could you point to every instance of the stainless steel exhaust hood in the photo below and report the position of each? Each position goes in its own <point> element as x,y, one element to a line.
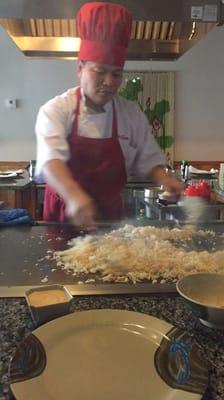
<point>161,30</point>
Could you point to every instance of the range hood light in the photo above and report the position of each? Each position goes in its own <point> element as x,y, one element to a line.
<point>48,43</point>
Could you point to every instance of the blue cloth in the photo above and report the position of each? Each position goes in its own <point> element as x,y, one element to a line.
<point>15,216</point>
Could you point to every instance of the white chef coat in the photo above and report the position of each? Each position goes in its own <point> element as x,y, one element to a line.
<point>54,125</point>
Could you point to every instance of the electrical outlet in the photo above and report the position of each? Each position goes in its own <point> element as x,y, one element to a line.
<point>10,103</point>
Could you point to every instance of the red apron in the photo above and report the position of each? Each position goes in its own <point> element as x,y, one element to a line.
<point>98,166</point>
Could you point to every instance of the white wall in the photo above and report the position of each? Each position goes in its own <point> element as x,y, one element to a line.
<point>199,99</point>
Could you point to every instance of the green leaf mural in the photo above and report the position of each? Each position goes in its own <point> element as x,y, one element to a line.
<point>132,89</point>
<point>155,115</point>
<point>165,141</point>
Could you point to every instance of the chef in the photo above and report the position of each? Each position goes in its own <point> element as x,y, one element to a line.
<point>89,139</point>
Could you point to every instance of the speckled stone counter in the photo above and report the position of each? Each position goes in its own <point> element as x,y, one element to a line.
<point>16,323</point>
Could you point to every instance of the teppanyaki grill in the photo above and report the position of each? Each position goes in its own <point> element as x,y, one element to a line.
<point>25,263</point>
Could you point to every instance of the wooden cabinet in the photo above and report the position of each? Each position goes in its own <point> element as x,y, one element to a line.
<point>19,192</point>
<point>8,197</point>
<point>9,194</point>
<point>30,199</point>
<point>205,165</point>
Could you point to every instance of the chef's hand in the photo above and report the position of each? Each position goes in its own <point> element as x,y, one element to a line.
<point>80,210</point>
<point>169,182</point>
<point>79,207</point>
<point>173,185</point>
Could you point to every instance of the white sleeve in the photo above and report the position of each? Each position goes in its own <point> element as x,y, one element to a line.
<point>53,125</point>
<point>149,153</point>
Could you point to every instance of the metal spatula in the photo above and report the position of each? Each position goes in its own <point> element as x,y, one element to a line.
<point>194,208</point>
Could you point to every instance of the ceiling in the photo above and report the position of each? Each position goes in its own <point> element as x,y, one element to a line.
<point>160,30</point>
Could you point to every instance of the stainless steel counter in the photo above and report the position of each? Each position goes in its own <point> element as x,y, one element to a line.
<point>155,209</point>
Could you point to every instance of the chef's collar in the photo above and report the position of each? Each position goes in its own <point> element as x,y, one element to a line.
<point>88,110</point>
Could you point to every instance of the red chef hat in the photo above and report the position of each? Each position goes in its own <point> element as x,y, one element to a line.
<point>105,30</point>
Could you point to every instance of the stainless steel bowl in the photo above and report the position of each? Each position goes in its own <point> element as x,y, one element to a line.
<point>152,192</point>
<point>204,293</point>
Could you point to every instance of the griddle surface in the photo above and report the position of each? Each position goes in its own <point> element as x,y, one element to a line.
<point>23,252</point>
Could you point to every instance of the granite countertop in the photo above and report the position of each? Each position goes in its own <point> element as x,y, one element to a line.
<point>16,323</point>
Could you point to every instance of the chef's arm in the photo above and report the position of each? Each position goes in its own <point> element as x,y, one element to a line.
<point>159,175</point>
<point>79,207</point>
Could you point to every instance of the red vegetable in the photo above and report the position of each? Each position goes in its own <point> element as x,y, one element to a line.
<point>201,188</point>
<point>191,191</point>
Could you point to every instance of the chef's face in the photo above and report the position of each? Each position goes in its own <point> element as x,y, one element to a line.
<point>99,82</point>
